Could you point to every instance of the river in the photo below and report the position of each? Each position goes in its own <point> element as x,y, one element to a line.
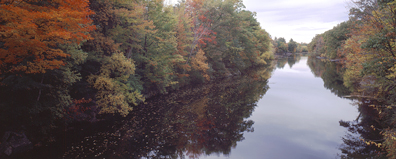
<point>292,109</point>
<point>298,117</point>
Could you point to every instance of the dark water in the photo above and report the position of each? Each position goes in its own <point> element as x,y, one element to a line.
<point>192,122</point>
<point>294,114</point>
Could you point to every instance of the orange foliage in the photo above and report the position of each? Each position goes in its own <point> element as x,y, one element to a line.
<point>81,101</point>
<point>77,108</point>
<point>31,31</point>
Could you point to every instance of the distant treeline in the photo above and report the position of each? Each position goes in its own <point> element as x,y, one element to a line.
<point>291,47</point>
<point>330,43</point>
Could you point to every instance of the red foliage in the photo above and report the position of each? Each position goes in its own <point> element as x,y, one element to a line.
<point>77,109</point>
<point>31,31</point>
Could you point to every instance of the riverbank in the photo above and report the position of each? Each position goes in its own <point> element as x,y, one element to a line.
<point>285,55</point>
<point>159,113</point>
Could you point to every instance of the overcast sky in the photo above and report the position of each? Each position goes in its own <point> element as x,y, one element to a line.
<point>297,19</point>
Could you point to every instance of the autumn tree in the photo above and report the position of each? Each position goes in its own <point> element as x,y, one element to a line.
<point>115,91</point>
<point>183,41</point>
<point>108,54</point>
<point>201,24</point>
<point>369,57</point>
<point>39,57</point>
<point>198,62</point>
<point>32,30</point>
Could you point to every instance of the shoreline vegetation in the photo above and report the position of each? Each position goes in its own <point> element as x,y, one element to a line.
<point>64,62</point>
<point>196,119</point>
<point>68,62</point>
<point>365,46</point>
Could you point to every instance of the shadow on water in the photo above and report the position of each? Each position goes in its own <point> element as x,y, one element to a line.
<point>289,59</point>
<point>191,122</point>
<point>368,124</point>
<point>331,73</point>
<point>367,127</point>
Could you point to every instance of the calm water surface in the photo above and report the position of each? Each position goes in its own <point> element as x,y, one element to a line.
<point>297,118</point>
<point>295,114</point>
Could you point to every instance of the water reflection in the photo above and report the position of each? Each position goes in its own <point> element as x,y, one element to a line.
<point>366,127</point>
<point>297,117</point>
<point>331,73</point>
<point>291,60</point>
<point>191,122</point>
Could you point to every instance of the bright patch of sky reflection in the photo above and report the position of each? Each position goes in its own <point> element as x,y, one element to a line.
<point>296,118</point>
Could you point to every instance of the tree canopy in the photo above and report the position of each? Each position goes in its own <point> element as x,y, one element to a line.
<point>72,60</point>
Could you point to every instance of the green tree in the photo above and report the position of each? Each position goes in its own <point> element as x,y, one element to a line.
<point>316,46</point>
<point>292,46</point>
<point>334,39</point>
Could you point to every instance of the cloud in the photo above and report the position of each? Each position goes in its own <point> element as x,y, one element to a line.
<point>300,20</point>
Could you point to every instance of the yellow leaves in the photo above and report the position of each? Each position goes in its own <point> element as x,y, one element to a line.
<point>198,62</point>
<point>392,75</point>
<point>266,55</point>
<point>121,64</point>
<point>101,83</point>
<point>113,103</point>
<point>390,141</point>
<point>379,145</point>
<point>114,94</point>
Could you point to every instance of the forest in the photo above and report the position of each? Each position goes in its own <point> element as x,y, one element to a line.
<point>64,62</point>
<point>60,59</point>
<point>365,46</point>
<point>67,61</point>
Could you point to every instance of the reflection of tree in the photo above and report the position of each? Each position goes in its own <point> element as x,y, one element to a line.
<point>281,62</point>
<point>331,73</point>
<point>291,60</point>
<point>193,121</point>
<point>367,127</point>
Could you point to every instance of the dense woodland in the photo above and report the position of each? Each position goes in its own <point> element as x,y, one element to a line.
<point>66,61</point>
<point>366,47</point>
<point>71,60</point>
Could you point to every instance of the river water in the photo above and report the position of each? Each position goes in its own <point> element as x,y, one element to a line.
<point>289,110</point>
<point>297,117</point>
